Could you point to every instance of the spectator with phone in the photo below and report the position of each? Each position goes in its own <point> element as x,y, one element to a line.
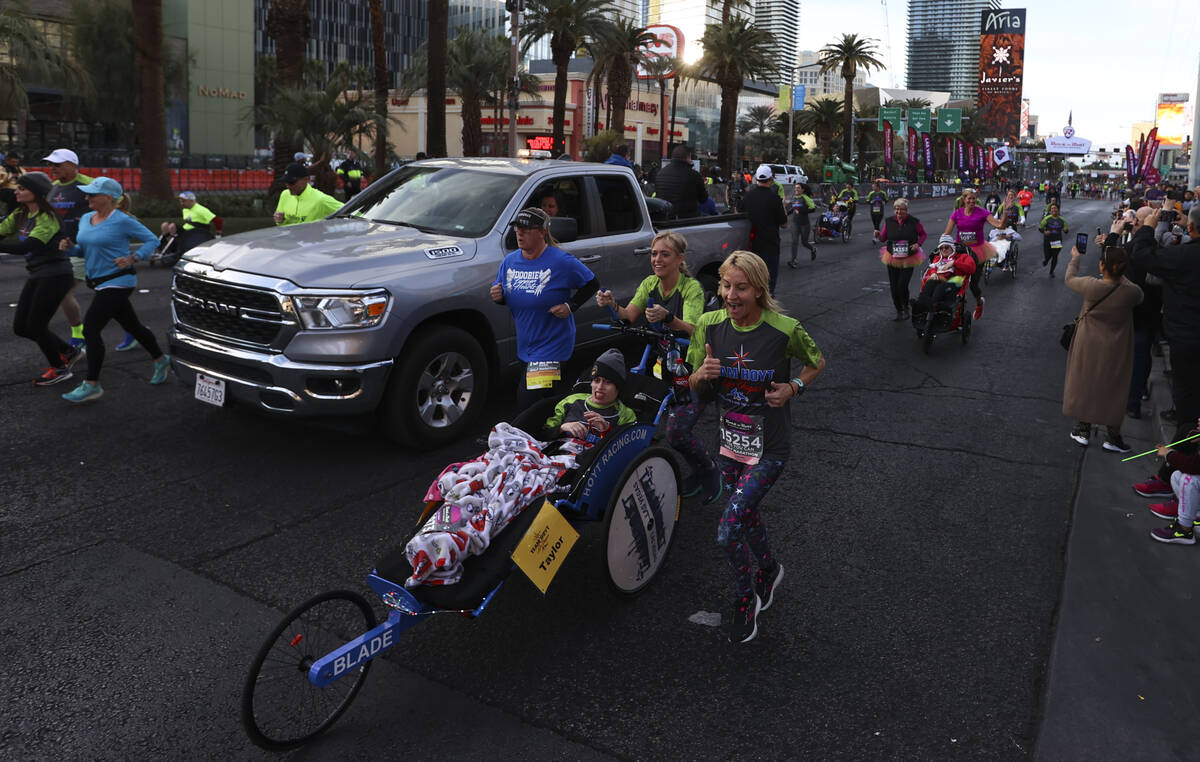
<point>1179,269</point>
<point>1100,358</point>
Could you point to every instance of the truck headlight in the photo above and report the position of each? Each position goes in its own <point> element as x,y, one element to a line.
<point>328,312</point>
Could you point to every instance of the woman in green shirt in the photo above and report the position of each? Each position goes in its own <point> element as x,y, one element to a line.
<point>36,227</point>
<point>670,297</point>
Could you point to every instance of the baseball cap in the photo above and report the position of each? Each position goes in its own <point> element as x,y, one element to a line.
<point>62,156</point>
<point>294,172</point>
<point>763,172</point>
<point>945,239</point>
<point>37,182</point>
<point>103,186</point>
<point>187,195</point>
<point>531,218</point>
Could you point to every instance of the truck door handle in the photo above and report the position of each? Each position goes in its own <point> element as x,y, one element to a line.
<point>641,252</point>
<point>593,258</point>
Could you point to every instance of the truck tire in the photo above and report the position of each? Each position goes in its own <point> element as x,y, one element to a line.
<point>437,388</point>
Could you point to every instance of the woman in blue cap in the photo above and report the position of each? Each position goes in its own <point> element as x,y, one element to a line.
<point>103,240</point>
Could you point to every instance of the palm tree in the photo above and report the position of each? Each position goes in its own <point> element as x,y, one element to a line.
<point>435,91</point>
<point>849,54</point>
<point>727,7</point>
<point>151,122</point>
<point>325,120</point>
<point>821,118</point>
<point>567,23</point>
<point>619,50</point>
<point>289,25</point>
<point>757,118</point>
<point>734,52</point>
<point>29,59</point>
<point>916,103</point>
<point>379,53</point>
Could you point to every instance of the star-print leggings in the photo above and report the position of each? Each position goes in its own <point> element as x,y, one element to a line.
<point>740,532</point>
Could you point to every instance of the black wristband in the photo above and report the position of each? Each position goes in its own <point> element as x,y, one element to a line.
<point>670,317</point>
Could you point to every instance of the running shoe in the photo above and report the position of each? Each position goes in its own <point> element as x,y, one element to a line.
<point>75,342</point>
<point>1168,510</point>
<point>1175,534</point>
<point>52,376</point>
<point>84,392</point>
<point>1114,443</point>
<point>743,627</point>
<point>978,309</point>
<point>161,367</point>
<point>72,354</point>
<point>1081,434</point>
<point>712,484</point>
<point>1153,487</point>
<point>127,343</point>
<point>765,584</point>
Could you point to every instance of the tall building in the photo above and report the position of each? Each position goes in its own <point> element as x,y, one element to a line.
<point>943,45</point>
<point>816,84</point>
<point>782,19</point>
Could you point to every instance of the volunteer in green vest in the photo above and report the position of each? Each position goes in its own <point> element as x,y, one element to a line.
<point>196,227</point>
<point>351,173</point>
<point>302,202</point>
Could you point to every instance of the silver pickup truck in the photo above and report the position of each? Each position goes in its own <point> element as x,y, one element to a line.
<point>383,307</point>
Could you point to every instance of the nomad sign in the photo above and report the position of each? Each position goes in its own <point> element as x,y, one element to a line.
<point>221,92</point>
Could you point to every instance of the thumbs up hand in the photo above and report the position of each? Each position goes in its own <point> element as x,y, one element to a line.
<point>710,368</point>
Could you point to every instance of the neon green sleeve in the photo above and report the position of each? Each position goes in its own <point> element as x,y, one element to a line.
<point>626,415</point>
<point>800,344</point>
<point>202,215</point>
<point>8,226</point>
<point>693,300</point>
<point>695,355</point>
<point>642,296</point>
<point>328,205</point>
<point>45,228</point>
<point>560,412</point>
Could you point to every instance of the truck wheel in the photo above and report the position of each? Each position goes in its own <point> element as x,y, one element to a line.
<point>437,389</point>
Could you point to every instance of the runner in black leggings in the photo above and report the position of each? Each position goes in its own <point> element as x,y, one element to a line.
<point>37,229</point>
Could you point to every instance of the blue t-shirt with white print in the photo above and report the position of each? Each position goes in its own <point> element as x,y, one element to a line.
<point>531,288</point>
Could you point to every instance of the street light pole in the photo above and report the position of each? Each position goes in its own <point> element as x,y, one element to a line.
<point>792,105</point>
<point>514,87</point>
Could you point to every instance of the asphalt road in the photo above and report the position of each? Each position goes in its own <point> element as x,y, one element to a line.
<point>148,542</point>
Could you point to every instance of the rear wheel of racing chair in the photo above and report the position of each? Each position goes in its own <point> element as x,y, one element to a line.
<point>281,708</point>
<point>640,521</point>
<point>1014,253</point>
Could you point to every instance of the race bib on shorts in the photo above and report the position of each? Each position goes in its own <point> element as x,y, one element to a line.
<point>742,437</point>
<point>1056,243</point>
<point>876,206</point>
<point>969,237</point>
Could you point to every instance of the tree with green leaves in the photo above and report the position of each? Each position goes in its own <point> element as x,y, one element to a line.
<point>849,54</point>
<point>734,52</point>
<point>289,25</point>
<point>618,51</point>
<point>757,119</point>
<point>567,23</point>
<point>325,120</point>
<point>30,60</point>
<point>823,119</point>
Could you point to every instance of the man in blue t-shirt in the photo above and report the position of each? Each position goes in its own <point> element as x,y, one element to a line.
<point>542,285</point>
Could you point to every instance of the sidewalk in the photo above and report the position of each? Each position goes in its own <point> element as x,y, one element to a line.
<point>1124,676</point>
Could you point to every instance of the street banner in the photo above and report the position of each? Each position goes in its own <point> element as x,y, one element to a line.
<point>949,153</point>
<point>918,119</point>
<point>979,160</point>
<point>887,144</point>
<point>962,164</point>
<point>1152,176</point>
<point>1001,71</point>
<point>1131,165</point>
<point>949,120</point>
<point>893,115</point>
<point>785,98</point>
<point>798,96</point>
<point>991,163</point>
<point>1141,155</point>
<point>1001,155</point>
<point>927,141</point>
<point>912,148</point>
<point>1152,143</point>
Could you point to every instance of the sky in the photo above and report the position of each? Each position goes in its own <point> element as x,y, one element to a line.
<point>1104,61</point>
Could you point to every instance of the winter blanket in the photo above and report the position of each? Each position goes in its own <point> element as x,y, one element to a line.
<point>479,498</point>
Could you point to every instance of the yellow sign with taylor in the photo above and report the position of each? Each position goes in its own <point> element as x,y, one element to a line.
<point>541,551</point>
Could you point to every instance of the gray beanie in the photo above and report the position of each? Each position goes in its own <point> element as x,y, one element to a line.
<point>39,183</point>
<point>610,365</point>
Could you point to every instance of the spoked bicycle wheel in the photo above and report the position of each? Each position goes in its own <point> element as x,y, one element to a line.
<point>281,709</point>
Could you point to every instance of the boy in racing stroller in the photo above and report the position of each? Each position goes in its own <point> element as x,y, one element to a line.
<point>949,268</point>
<point>577,414</point>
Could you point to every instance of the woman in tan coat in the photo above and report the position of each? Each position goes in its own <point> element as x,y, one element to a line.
<point>1101,355</point>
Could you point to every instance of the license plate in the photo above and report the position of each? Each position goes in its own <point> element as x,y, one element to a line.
<point>210,390</point>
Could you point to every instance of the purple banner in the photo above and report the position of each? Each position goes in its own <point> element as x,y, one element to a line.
<point>887,144</point>
<point>928,145</point>
<point>961,157</point>
<point>1151,151</point>
<point>949,153</point>
<point>912,147</point>
<point>1141,156</point>
<point>1131,164</point>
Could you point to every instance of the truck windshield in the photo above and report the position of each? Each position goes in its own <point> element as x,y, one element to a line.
<point>454,202</point>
